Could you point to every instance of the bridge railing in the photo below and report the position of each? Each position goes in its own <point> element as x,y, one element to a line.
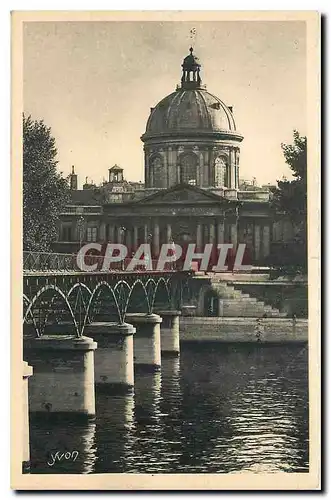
<point>44,261</point>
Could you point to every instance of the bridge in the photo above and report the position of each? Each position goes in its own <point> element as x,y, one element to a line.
<point>88,331</point>
<point>56,292</point>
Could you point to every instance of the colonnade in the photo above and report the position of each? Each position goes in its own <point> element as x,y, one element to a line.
<point>207,230</point>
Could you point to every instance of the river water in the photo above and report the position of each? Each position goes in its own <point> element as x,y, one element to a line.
<point>217,409</point>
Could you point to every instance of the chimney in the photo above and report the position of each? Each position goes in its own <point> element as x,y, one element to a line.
<point>73,179</point>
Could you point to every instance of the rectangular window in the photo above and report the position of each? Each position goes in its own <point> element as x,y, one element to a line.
<point>92,233</point>
<point>66,233</point>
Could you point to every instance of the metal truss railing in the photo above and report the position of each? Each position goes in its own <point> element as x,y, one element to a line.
<point>43,261</point>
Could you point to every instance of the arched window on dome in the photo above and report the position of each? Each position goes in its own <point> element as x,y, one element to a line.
<point>188,169</point>
<point>220,172</point>
<point>156,172</point>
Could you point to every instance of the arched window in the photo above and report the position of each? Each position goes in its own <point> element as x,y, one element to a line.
<point>156,167</point>
<point>188,169</point>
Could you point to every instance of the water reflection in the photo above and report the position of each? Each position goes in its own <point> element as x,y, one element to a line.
<point>147,418</point>
<point>260,415</point>
<point>114,431</point>
<point>219,408</point>
<point>167,436</point>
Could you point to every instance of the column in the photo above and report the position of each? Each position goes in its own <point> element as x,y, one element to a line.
<point>201,169</point>
<point>266,241</point>
<point>233,169</point>
<point>135,237</point>
<point>27,372</point>
<point>146,162</point>
<point>212,232</point>
<point>145,233</point>
<point>102,231</point>
<point>113,360</point>
<point>63,380</point>
<point>80,230</point>
<point>170,332</point>
<point>234,235</point>
<point>119,234</point>
<point>146,341</point>
<point>257,241</point>
<point>199,237</point>
<point>169,164</point>
<point>173,167</point>
<point>220,232</point>
<point>128,240</point>
<point>178,174</point>
<point>156,239</point>
<point>169,233</point>
<point>212,240</point>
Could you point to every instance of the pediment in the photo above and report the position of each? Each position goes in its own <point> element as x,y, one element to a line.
<point>181,194</point>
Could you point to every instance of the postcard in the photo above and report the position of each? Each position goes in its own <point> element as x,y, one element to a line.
<point>166,250</point>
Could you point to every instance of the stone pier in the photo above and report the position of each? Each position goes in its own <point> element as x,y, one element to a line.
<point>147,341</point>
<point>63,380</point>
<point>170,332</point>
<point>27,372</point>
<point>113,360</point>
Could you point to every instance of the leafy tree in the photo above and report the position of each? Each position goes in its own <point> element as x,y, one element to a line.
<point>45,191</point>
<point>290,203</point>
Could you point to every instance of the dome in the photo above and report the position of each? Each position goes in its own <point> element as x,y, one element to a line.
<point>191,137</point>
<point>194,110</point>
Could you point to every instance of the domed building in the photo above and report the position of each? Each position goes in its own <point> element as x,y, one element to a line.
<point>191,137</point>
<point>192,192</point>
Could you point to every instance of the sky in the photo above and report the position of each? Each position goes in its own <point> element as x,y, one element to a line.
<point>94,83</point>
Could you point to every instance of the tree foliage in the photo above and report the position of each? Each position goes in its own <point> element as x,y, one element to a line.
<point>45,191</point>
<point>290,203</point>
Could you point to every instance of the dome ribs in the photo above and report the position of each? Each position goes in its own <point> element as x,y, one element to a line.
<point>207,115</point>
<point>227,112</point>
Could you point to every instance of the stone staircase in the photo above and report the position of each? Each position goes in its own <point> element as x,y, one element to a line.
<point>234,303</point>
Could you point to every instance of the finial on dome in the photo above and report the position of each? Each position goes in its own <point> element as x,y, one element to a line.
<point>191,50</point>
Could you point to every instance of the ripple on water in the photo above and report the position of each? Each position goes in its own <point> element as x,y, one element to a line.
<point>217,409</point>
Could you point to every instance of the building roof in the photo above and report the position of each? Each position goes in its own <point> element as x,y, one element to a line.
<point>85,197</point>
<point>116,168</point>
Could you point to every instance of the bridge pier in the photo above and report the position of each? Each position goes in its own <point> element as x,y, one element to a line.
<point>63,381</point>
<point>114,356</point>
<point>147,341</point>
<point>27,372</point>
<point>170,332</point>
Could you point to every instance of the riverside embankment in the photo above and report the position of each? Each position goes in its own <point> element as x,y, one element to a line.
<point>220,329</point>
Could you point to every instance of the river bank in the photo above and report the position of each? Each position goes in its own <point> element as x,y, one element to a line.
<point>220,329</point>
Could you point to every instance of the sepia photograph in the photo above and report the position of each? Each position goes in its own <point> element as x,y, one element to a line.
<point>162,335</point>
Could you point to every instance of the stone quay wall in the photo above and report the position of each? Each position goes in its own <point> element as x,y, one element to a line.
<point>219,329</point>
